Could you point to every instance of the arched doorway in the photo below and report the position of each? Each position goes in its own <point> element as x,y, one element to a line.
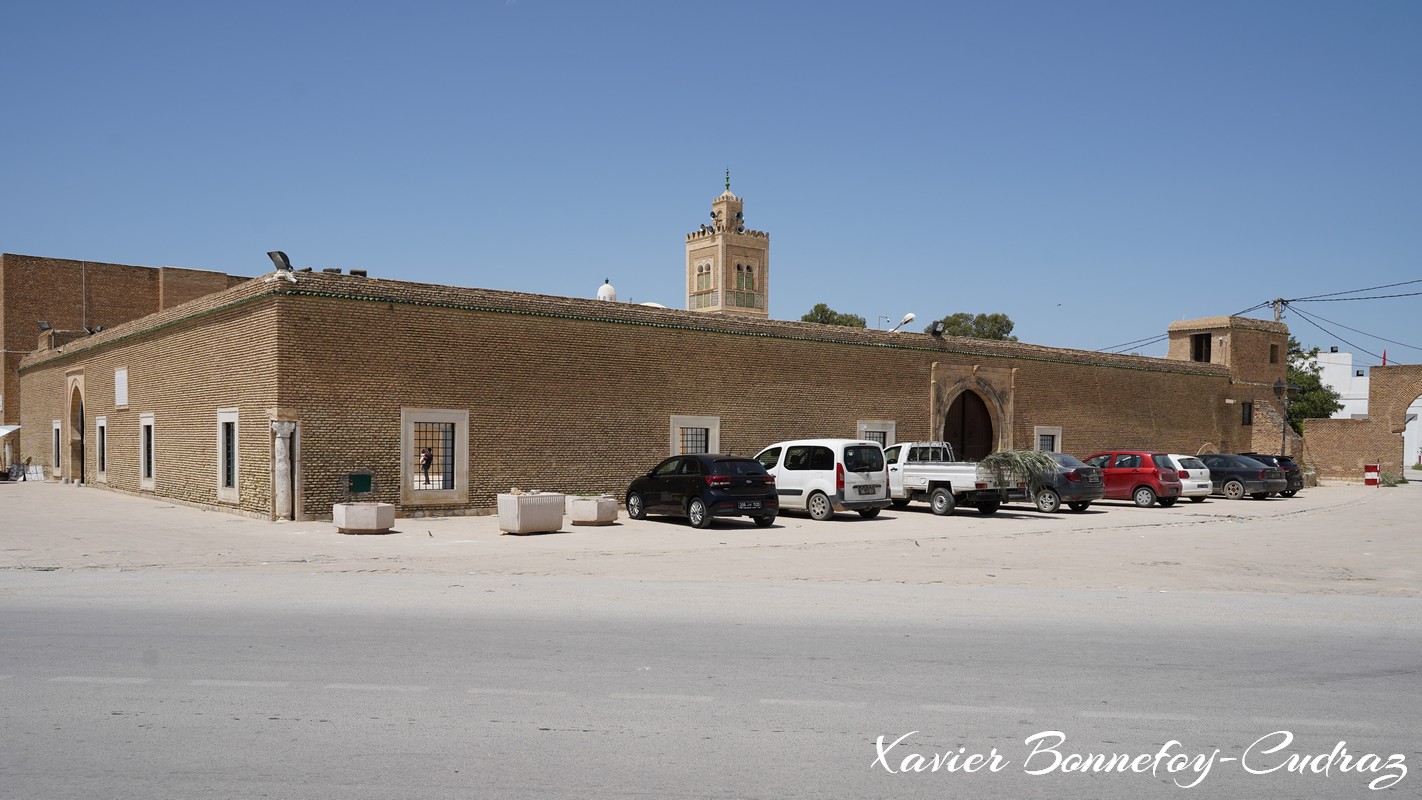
<point>76,435</point>
<point>968,427</point>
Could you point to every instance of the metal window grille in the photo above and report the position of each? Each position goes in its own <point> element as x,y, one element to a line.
<point>1048,442</point>
<point>1247,412</point>
<point>877,436</point>
<point>439,438</point>
<point>229,455</point>
<point>695,440</point>
<point>103,447</point>
<point>56,447</point>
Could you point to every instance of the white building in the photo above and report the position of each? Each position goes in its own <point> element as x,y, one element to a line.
<point>1351,384</point>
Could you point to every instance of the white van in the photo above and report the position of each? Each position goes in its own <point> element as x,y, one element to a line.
<point>823,476</point>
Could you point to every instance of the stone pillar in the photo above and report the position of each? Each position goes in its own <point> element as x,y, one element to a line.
<point>281,468</point>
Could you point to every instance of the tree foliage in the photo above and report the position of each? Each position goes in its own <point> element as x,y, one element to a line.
<point>981,326</point>
<point>1314,399</point>
<point>824,314</point>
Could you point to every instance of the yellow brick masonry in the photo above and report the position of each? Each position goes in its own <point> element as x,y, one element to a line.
<point>562,393</point>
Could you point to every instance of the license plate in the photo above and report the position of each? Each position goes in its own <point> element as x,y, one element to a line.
<point>866,488</point>
<point>748,504</point>
<point>1093,479</point>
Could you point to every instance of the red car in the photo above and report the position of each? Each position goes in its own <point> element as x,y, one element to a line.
<point>1140,475</point>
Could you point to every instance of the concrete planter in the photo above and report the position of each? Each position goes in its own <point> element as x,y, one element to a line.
<point>363,517</point>
<point>592,510</point>
<point>536,512</point>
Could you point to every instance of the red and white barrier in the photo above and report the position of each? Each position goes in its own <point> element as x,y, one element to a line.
<point>1370,474</point>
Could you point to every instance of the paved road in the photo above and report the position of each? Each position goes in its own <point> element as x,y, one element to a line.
<point>150,650</point>
<point>341,686</point>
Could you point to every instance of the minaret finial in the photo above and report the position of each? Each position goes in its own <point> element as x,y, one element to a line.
<point>728,179</point>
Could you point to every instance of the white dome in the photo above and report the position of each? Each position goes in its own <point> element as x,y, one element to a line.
<point>606,292</point>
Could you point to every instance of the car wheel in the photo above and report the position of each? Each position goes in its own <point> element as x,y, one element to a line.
<point>1234,490</point>
<point>901,503</point>
<point>696,513</point>
<point>989,506</point>
<point>1144,497</point>
<point>1048,501</point>
<point>942,502</point>
<point>763,522</point>
<point>868,513</point>
<point>1079,506</point>
<point>819,506</point>
<point>1260,495</point>
<point>1167,502</point>
<point>636,507</point>
<point>1197,499</point>
<point>1289,493</point>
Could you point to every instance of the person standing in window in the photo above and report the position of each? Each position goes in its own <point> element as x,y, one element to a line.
<point>426,458</point>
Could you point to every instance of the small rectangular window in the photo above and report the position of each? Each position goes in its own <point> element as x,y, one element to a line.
<point>101,447</point>
<point>54,453</point>
<point>1247,411</point>
<point>120,387</point>
<point>1047,442</point>
<point>1273,354</point>
<point>694,435</point>
<point>146,469</point>
<point>434,457</point>
<point>1200,347</point>
<point>228,455</point>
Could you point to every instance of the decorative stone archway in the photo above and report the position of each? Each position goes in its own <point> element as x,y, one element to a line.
<point>992,386</point>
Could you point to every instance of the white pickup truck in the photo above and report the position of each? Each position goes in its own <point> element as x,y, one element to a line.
<point>928,471</point>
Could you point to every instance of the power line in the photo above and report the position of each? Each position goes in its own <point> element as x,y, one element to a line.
<point>1305,318</point>
<point>1149,340</point>
<point>1369,335</point>
<point>1341,299</point>
<point>1355,291</point>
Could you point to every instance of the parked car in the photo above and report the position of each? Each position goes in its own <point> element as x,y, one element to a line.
<point>823,476</point>
<point>702,486</point>
<point>1293,473</point>
<point>1235,476</point>
<point>930,471</point>
<point>1194,477</point>
<point>1142,476</point>
<point>1074,482</point>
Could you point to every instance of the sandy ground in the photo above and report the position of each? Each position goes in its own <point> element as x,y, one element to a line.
<point>1328,540</point>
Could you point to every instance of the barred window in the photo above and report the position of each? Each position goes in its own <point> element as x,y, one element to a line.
<point>1047,442</point>
<point>434,456</point>
<point>695,440</point>
<point>1247,413</point>
<point>882,437</point>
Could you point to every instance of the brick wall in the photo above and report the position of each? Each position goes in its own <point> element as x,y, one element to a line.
<point>73,294</point>
<point>1339,448</point>
<point>561,394</point>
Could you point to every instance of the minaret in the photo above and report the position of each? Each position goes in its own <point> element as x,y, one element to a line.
<point>727,264</point>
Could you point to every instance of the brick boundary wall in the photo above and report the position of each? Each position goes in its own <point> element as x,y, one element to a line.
<point>1339,448</point>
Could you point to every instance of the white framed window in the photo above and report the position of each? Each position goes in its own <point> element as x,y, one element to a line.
<point>101,447</point>
<point>121,387</point>
<point>54,450</point>
<point>882,431</point>
<point>147,472</point>
<point>695,435</point>
<point>434,455</point>
<point>227,488</point>
<point>1048,438</point>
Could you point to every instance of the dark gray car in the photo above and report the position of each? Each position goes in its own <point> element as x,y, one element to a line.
<point>1235,476</point>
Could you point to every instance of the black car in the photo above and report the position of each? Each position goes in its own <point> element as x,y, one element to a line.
<point>1234,476</point>
<point>1293,473</point>
<point>1074,482</point>
<point>702,486</point>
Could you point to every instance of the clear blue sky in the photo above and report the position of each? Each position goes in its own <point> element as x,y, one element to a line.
<point>1093,169</point>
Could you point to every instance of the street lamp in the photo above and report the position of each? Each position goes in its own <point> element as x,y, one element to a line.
<point>909,317</point>
<point>1286,393</point>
